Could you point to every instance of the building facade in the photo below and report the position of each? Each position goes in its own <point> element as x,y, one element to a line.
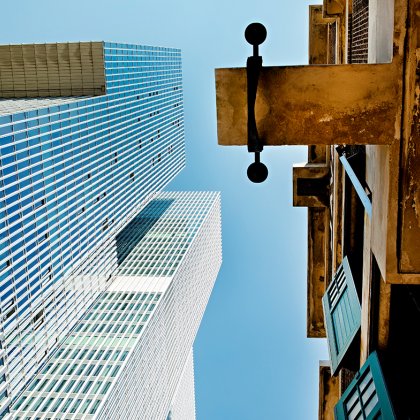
<point>355,106</point>
<point>130,355</point>
<point>183,402</point>
<point>89,132</point>
<point>363,272</point>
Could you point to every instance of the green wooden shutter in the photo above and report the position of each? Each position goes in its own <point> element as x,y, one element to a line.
<point>366,398</point>
<point>342,313</point>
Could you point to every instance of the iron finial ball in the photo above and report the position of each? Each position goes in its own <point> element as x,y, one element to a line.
<point>255,33</point>
<point>257,172</point>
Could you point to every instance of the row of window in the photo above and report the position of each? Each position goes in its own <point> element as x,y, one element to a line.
<point>40,140</point>
<point>56,405</point>
<point>87,362</point>
<point>121,48</point>
<point>64,115</point>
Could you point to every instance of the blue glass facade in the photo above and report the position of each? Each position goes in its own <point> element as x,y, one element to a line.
<point>72,175</point>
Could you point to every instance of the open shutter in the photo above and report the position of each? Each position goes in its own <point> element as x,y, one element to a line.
<point>342,313</point>
<point>367,396</point>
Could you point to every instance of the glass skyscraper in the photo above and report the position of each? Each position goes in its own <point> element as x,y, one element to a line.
<point>89,133</point>
<point>125,357</point>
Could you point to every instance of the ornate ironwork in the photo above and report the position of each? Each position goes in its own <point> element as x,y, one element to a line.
<point>255,34</point>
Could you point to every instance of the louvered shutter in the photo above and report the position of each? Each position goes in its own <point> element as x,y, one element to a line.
<point>342,313</point>
<point>366,398</point>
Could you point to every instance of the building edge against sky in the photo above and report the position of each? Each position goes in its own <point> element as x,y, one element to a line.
<point>76,171</point>
<point>183,402</point>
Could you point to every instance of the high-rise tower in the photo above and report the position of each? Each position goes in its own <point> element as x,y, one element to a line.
<point>130,357</point>
<point>88,133</point>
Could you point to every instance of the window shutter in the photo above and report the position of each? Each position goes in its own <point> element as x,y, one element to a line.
<point>367,396</point>
<point>342,313</point>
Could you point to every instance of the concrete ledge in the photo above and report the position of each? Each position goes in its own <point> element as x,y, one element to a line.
<point>317,104</point>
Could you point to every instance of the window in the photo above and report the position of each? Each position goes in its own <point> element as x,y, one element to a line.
<point>95,407</point>
<point>37,404</point>
<point>342,314</point>
<point>33,385</point>
<point>87,387</point>
<point>66,405</point>
<point>19,403</point>
<point>69,386</point>
<point>62,383</point>
<point>47,404</point>
<point>105,388</point>
<point>51,385</point>
<point>75,406</point>
<point>367,396</point>
<point>56,404</point>
<point>115,371</point>
<point>96,387</point>
<point>85,406</point>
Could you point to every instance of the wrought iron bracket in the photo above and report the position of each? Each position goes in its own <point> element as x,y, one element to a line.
<point>255,34</point>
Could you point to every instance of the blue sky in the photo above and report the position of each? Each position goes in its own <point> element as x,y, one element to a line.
<point>253,360</point>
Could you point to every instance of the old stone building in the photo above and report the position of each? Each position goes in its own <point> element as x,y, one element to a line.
<point>356,106</point>
<point>363,236</point>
